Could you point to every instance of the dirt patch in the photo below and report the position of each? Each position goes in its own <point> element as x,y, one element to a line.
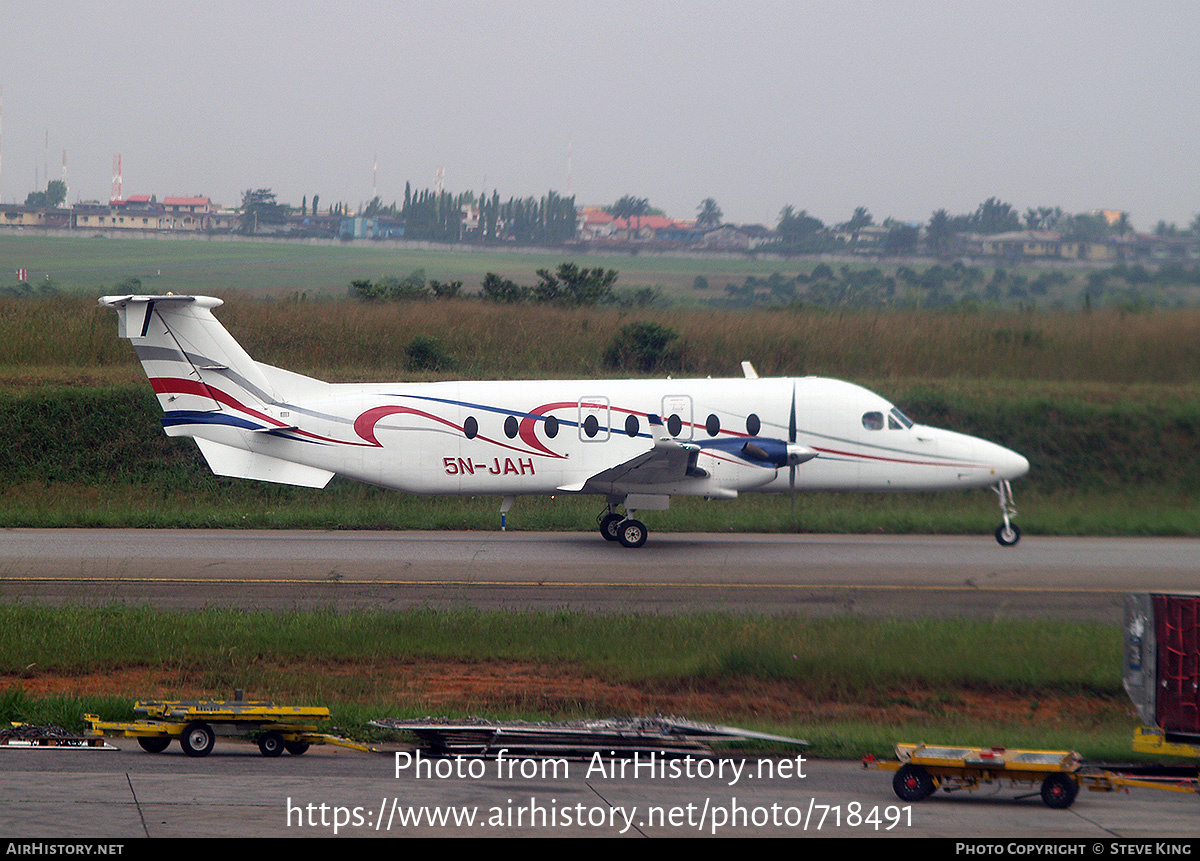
<point>462,688</point>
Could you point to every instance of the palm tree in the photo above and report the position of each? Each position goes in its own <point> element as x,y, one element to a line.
<point>709,213</point>
<point>937,235</point>
<point>630,207</point>
<point>860,219</point>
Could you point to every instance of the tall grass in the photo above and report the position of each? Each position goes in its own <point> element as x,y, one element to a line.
<point>346,340</point>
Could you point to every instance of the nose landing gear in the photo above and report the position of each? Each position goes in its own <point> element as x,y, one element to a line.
<point>1007,533</point>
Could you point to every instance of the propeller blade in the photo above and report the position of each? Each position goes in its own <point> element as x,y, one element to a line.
<point>792,420</point>
<point>792,439</point>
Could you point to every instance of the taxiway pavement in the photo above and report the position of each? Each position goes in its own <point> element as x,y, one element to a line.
<point>236,793</point>
<point>960,576</point>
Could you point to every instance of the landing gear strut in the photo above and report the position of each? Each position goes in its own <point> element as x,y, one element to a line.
<point>622,528</point>
<point>1007,533</point>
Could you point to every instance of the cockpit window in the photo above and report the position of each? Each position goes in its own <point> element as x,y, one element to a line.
<point>897,419</point>
<point>873,421</point>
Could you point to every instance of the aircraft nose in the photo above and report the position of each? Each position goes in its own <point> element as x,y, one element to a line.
<point>1009,464</point>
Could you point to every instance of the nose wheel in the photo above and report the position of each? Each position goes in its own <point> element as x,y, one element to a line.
<point>1007,533</point>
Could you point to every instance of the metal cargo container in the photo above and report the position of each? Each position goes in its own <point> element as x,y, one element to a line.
<point>1162,661</point>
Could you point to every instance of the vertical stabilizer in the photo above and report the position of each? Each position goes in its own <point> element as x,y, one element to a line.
<point>192,361</point>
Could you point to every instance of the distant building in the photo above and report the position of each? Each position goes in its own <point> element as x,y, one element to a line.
<point>361,227</point>
<point>734,237</point>
<point>594,223</point>
<point>188,205</point>
<point>1037,245</point>
<point>21,216</point>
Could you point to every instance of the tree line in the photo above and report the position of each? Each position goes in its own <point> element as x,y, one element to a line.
<point>568,285</point>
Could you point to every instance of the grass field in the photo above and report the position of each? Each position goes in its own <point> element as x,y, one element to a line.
<point>849,686</point>
<point>217,266</point>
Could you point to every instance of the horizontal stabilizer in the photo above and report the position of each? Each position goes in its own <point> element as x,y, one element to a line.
<point>240,463</point>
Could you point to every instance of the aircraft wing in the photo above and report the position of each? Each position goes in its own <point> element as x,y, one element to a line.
<point>668,462</point>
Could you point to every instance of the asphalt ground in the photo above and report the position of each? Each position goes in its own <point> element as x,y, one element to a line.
<point>235,793</point>
<point>905,576</point>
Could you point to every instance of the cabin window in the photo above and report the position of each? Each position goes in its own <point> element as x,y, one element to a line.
<point>897,420</point>
<point>470,427</point>
<point>675,425</point>
<point>510,427</point>
<point>595,416</point>
<point>873,421</point>
<point>551,427</point>
<point>632,426</point>
<point>713,425</point>
<point>753,425</point>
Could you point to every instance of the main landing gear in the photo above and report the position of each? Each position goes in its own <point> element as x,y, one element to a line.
<point>1007,533</point>
<point>623,528</point>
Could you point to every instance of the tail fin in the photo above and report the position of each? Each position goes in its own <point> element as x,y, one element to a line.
<point>192,361</point>
<point>209,387</point>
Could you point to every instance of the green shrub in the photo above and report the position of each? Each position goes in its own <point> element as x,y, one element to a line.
<point>644,347</point>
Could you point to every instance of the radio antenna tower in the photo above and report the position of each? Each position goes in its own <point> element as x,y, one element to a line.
<point>375,178</point>
<point>570,172</point>
<point>66,200</point>
<point>441,180</point>
<point>116,186</point>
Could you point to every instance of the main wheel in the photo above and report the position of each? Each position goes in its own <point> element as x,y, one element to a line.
<point>1059,791</point>
<point>154,743</point>
<point>295,748</point>
<point>271,744</point>
<point>197,739</point>
<point>912,783</point>
<point>1008,535</point>
<point>631,533</point>
<point>609,524</point>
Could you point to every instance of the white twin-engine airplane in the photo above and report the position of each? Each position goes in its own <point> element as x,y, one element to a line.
<point>635,442</point>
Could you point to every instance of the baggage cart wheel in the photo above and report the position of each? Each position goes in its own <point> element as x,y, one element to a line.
<point>154,743</point>
<point>271,744</point>
<point>295,748</point>
<point>1059,791</point>
<point>912,783</point>
<point>197,739</point>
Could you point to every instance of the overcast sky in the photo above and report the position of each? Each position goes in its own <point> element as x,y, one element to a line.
<point>901,107</point>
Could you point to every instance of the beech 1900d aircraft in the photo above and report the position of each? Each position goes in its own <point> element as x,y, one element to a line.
<point>636,443</point>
